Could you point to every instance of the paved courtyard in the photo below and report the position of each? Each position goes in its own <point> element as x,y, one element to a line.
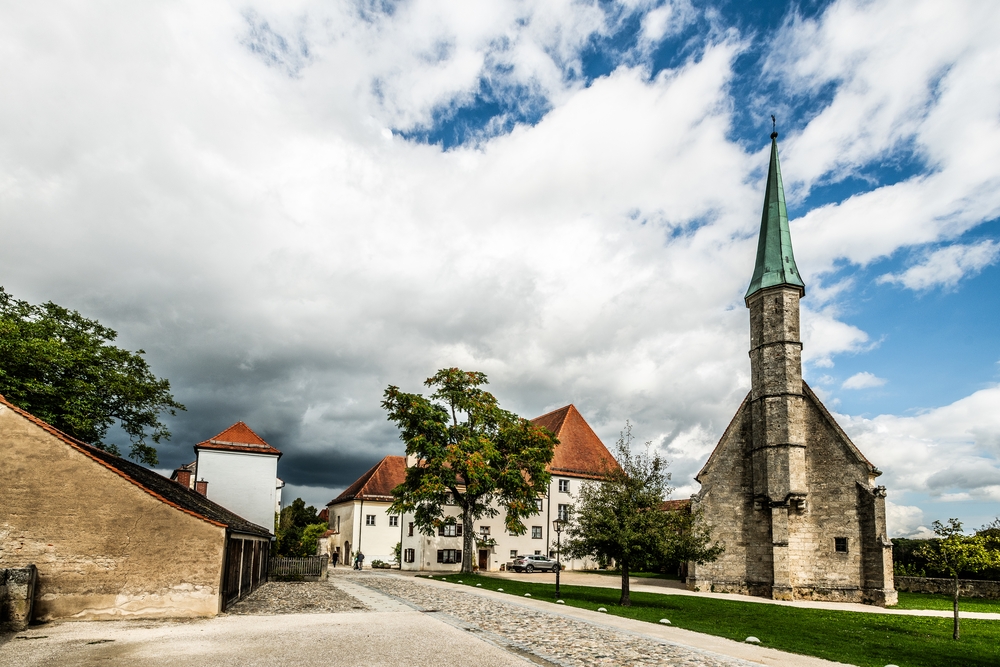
<point>383,619</point>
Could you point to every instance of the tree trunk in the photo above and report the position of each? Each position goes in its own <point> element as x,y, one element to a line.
<point>625,600</point>
<point>468,543</point>
<point>955,634</point>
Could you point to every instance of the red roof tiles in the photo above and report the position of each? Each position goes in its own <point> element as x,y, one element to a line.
<point>377,483</point>
<point>580,453</point>
<point>238,438</point>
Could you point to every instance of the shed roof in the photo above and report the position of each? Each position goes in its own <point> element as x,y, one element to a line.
<point>377,483</point>
<point>154,484</point>
<point>238,438</point>
<point>580,453</point>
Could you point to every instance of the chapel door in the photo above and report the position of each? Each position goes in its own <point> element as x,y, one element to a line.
<point>484,559</point>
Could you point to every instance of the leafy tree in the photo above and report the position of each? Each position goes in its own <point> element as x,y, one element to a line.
<point>620,518</point>
<point>299,529</point>
<point>61,367</point>
<point>954,552</point>
<point>397,553</point>
<point>470,453</point>
<point>310,538</point>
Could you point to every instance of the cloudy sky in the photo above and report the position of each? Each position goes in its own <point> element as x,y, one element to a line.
<point>292,205</point>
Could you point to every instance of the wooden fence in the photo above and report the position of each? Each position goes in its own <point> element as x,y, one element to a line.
<point>308,568</point>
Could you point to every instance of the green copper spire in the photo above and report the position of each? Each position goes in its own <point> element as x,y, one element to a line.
<point>775,261</point>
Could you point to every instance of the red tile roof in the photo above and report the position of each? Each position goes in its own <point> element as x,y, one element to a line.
<point>580,453</point>
<point>377,483</point>
<point>238,438</point>
<point>156,485</point>
<point>676,505</point>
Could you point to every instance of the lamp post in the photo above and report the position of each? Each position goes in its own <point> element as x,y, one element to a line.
<point>557,525</point>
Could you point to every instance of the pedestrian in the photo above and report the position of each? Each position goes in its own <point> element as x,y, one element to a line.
<point>361,561</point>
<point>335,556</point>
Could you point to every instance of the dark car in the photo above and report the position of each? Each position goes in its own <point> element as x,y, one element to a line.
<point>532,563</point>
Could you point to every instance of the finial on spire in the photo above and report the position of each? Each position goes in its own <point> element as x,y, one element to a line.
<point>774,124</point>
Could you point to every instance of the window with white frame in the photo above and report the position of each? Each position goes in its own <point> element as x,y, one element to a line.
<point>563,512</point>
<point>449,555</point>
<point>394,520</point>
<point>450,530</point>
<point>484,531</point>
<point>538,504</point>
<point>369,519</point>
<point>564,486</point>
<point>536,532</point>
<point>409,555</point>
<point>513,553</point>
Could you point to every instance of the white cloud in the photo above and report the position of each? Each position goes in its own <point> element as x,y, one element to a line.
<point>905,521</point>
<point>243,215</point>
<point>942,452</point>
<point>946,266</point>
<point>863,380</point>
<point>911,81</point>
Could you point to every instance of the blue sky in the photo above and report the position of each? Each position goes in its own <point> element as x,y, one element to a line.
<point>292,205</point>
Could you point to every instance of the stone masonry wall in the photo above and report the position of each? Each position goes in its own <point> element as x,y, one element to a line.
<point>968,588</point>
<point>17,594</point>
<point>103,546</point>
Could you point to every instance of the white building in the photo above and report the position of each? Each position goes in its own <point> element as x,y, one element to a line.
<point>579,457</point>
<point>360,519</point>
<point>239,471</point>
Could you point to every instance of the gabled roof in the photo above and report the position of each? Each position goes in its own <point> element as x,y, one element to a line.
<point>580,453</point>
<point>154,484</point>
<point>683,505</point>
<point>238,438</point>
<point>377,483</point>
<point>775,260</point>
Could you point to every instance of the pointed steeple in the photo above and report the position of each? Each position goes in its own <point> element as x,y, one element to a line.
<point>775,260</point>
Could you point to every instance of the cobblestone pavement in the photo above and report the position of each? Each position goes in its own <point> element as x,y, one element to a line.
<point>297,597</point>
<point>545,638</point>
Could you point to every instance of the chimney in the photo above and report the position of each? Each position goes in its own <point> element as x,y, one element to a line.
<point>183,477</point>
<point>201,486</point>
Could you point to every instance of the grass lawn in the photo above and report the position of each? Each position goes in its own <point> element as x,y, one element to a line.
<point>867,640</point>
<point>638,575</point>
<point>931,601</point>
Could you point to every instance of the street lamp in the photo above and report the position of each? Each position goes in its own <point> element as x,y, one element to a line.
<point>557,525</point>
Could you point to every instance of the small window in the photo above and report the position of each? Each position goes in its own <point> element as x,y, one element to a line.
<point>394,520</point>
<point>552,554</point>
<point>449,555</point>
<point>408,555</point>
<point>840,544</point>
<point>538,552</point>
<point>369,519</point>
<point>409,529</point>
<point>338,523</point>
<point>538,504</point>
<point>450,530</point>
<point>564,486</point>
<point>536,532</point>
<point>484,531</point>
<point>563,513</point>
<point>513,553</point>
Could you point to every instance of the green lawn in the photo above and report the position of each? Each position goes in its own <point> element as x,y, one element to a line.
<point>868,640</point>
<point>929,601</point>
<point>638,575</point>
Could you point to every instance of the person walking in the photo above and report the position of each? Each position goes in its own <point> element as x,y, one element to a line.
<point>335,556</point>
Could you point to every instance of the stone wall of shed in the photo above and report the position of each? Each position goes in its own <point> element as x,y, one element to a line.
<point>103,546</point>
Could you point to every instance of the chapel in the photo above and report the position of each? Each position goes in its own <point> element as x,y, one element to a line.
<point>792,499</point>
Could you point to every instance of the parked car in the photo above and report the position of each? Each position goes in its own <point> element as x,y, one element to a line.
<point>532,563</point>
